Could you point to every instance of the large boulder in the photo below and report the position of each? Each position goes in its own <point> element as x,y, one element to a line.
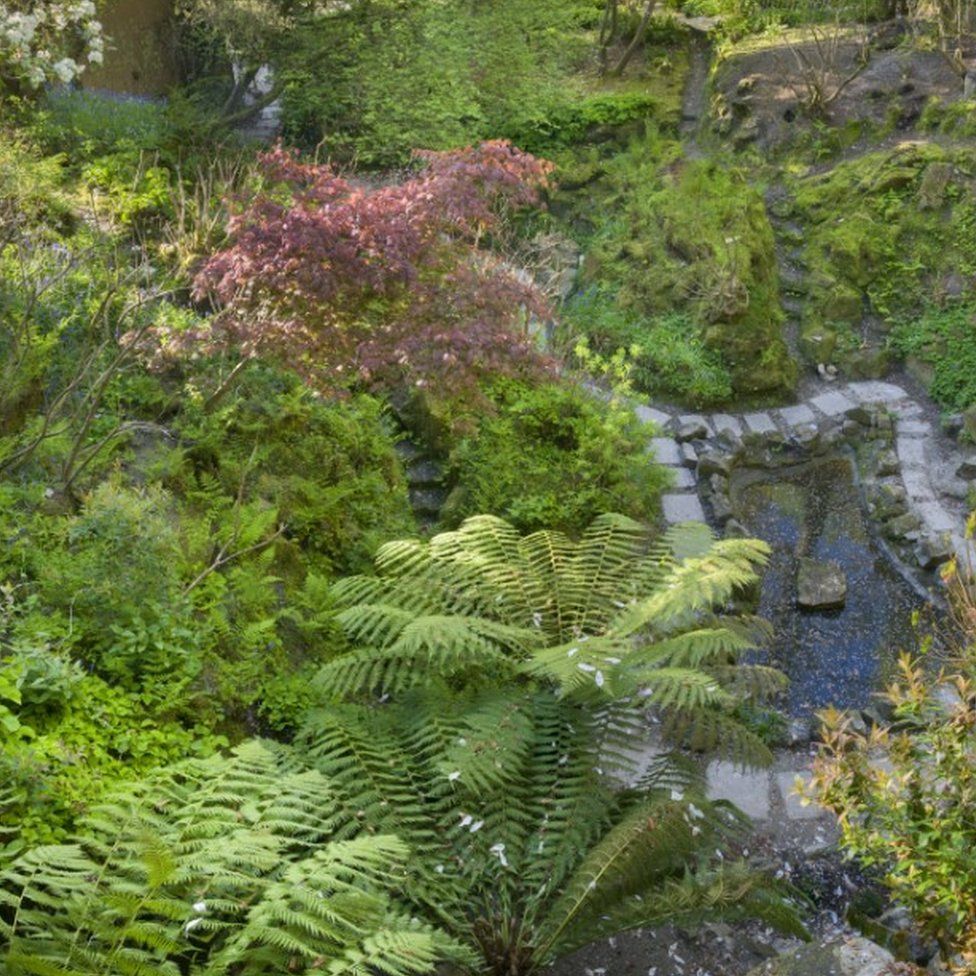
<point>820,585</point>
<point>845,957</point>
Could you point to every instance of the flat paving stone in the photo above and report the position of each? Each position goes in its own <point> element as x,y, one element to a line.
<point>795,810</point>
<point>682,508</point>
<point>873,391</point>
<point>911,452</point>
<point>666,450</point>
<point>726,424</point>
<point>748,790</point>
<point>684,478</point>
<point>760,423</point>
<point>795,416</point>
<point>936,518</point>
<point>695,418</point>
<point>833,403</point>
<point>650,415</point>
<point>918,487</point>
<point>913,428</point>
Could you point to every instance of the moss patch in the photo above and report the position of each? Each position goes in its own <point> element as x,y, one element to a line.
<point>689,239</point>
<point>887,237</point>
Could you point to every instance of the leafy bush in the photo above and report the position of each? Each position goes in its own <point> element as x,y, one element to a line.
<point>946,339</point>
<point>390,77</point>
<point>906,795</point>
<point>378,286</point>
<point>554,455</point>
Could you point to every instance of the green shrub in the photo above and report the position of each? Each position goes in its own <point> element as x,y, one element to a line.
<point>554,456</point>
<point>388,78</point>
<point>945,338</point>
<point>85,124</point>
<point>667,354</point>
<point>906,795</point>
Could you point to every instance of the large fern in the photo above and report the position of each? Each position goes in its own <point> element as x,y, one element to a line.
<point>524,845</point>
<point>214,867</point>
<point>610,615</point>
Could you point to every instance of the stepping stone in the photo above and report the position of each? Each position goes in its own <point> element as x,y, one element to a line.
<point>689,456</point>
<point>795,810</point>
<point>911,452</point>
<point>666,450</point>
<point>749,791</point>
<point>918,487</point>
<point>820,585</point>
<point>682,508</point>
<point>833,403</point>
<point>913,428</point>
<point>872,391</point>
<point>726,424</point>
<point>683,478</point>
<point>795,416</point>
<point>652,416</point>
<point>760,423</point>
<point>936,518</point>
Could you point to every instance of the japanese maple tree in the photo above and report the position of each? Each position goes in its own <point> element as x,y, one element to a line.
<point>347,282</point>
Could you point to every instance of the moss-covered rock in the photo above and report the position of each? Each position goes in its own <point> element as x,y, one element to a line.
<point>693,237</point>
<point>888,237</point>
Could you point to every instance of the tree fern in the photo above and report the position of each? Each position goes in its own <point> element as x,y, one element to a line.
<point>613,614</point>
<point>213,867</point>
<point>524,844</point>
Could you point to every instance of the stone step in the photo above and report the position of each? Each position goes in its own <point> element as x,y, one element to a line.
<point>833,403</point>
<point>682,508</point>
<point>760,423</point>
<point>667,451</point>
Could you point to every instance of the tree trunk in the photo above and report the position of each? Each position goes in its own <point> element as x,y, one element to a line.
<point>636,41</point>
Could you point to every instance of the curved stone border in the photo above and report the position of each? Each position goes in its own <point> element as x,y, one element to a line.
<point>931,493</point>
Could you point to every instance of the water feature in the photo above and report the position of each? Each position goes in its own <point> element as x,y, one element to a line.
<point>832,657</point>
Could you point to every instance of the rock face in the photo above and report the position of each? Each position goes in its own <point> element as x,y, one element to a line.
<point>848,957</point>
<point>820,585</point>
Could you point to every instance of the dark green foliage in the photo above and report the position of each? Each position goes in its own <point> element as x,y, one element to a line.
<point>389,77</point>
<point>328,468</point>
<point>554,456</point>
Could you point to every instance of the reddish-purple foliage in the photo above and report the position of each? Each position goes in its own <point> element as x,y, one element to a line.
<point>344,282</point>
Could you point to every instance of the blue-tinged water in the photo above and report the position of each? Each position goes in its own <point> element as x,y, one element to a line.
<point>837,657</point>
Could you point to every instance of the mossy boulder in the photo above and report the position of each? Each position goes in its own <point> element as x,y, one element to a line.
<point>694,237</point>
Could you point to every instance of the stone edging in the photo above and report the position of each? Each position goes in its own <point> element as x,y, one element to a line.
<point>921,498</point>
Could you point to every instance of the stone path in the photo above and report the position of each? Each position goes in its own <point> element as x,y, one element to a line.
<point>934,489</point>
